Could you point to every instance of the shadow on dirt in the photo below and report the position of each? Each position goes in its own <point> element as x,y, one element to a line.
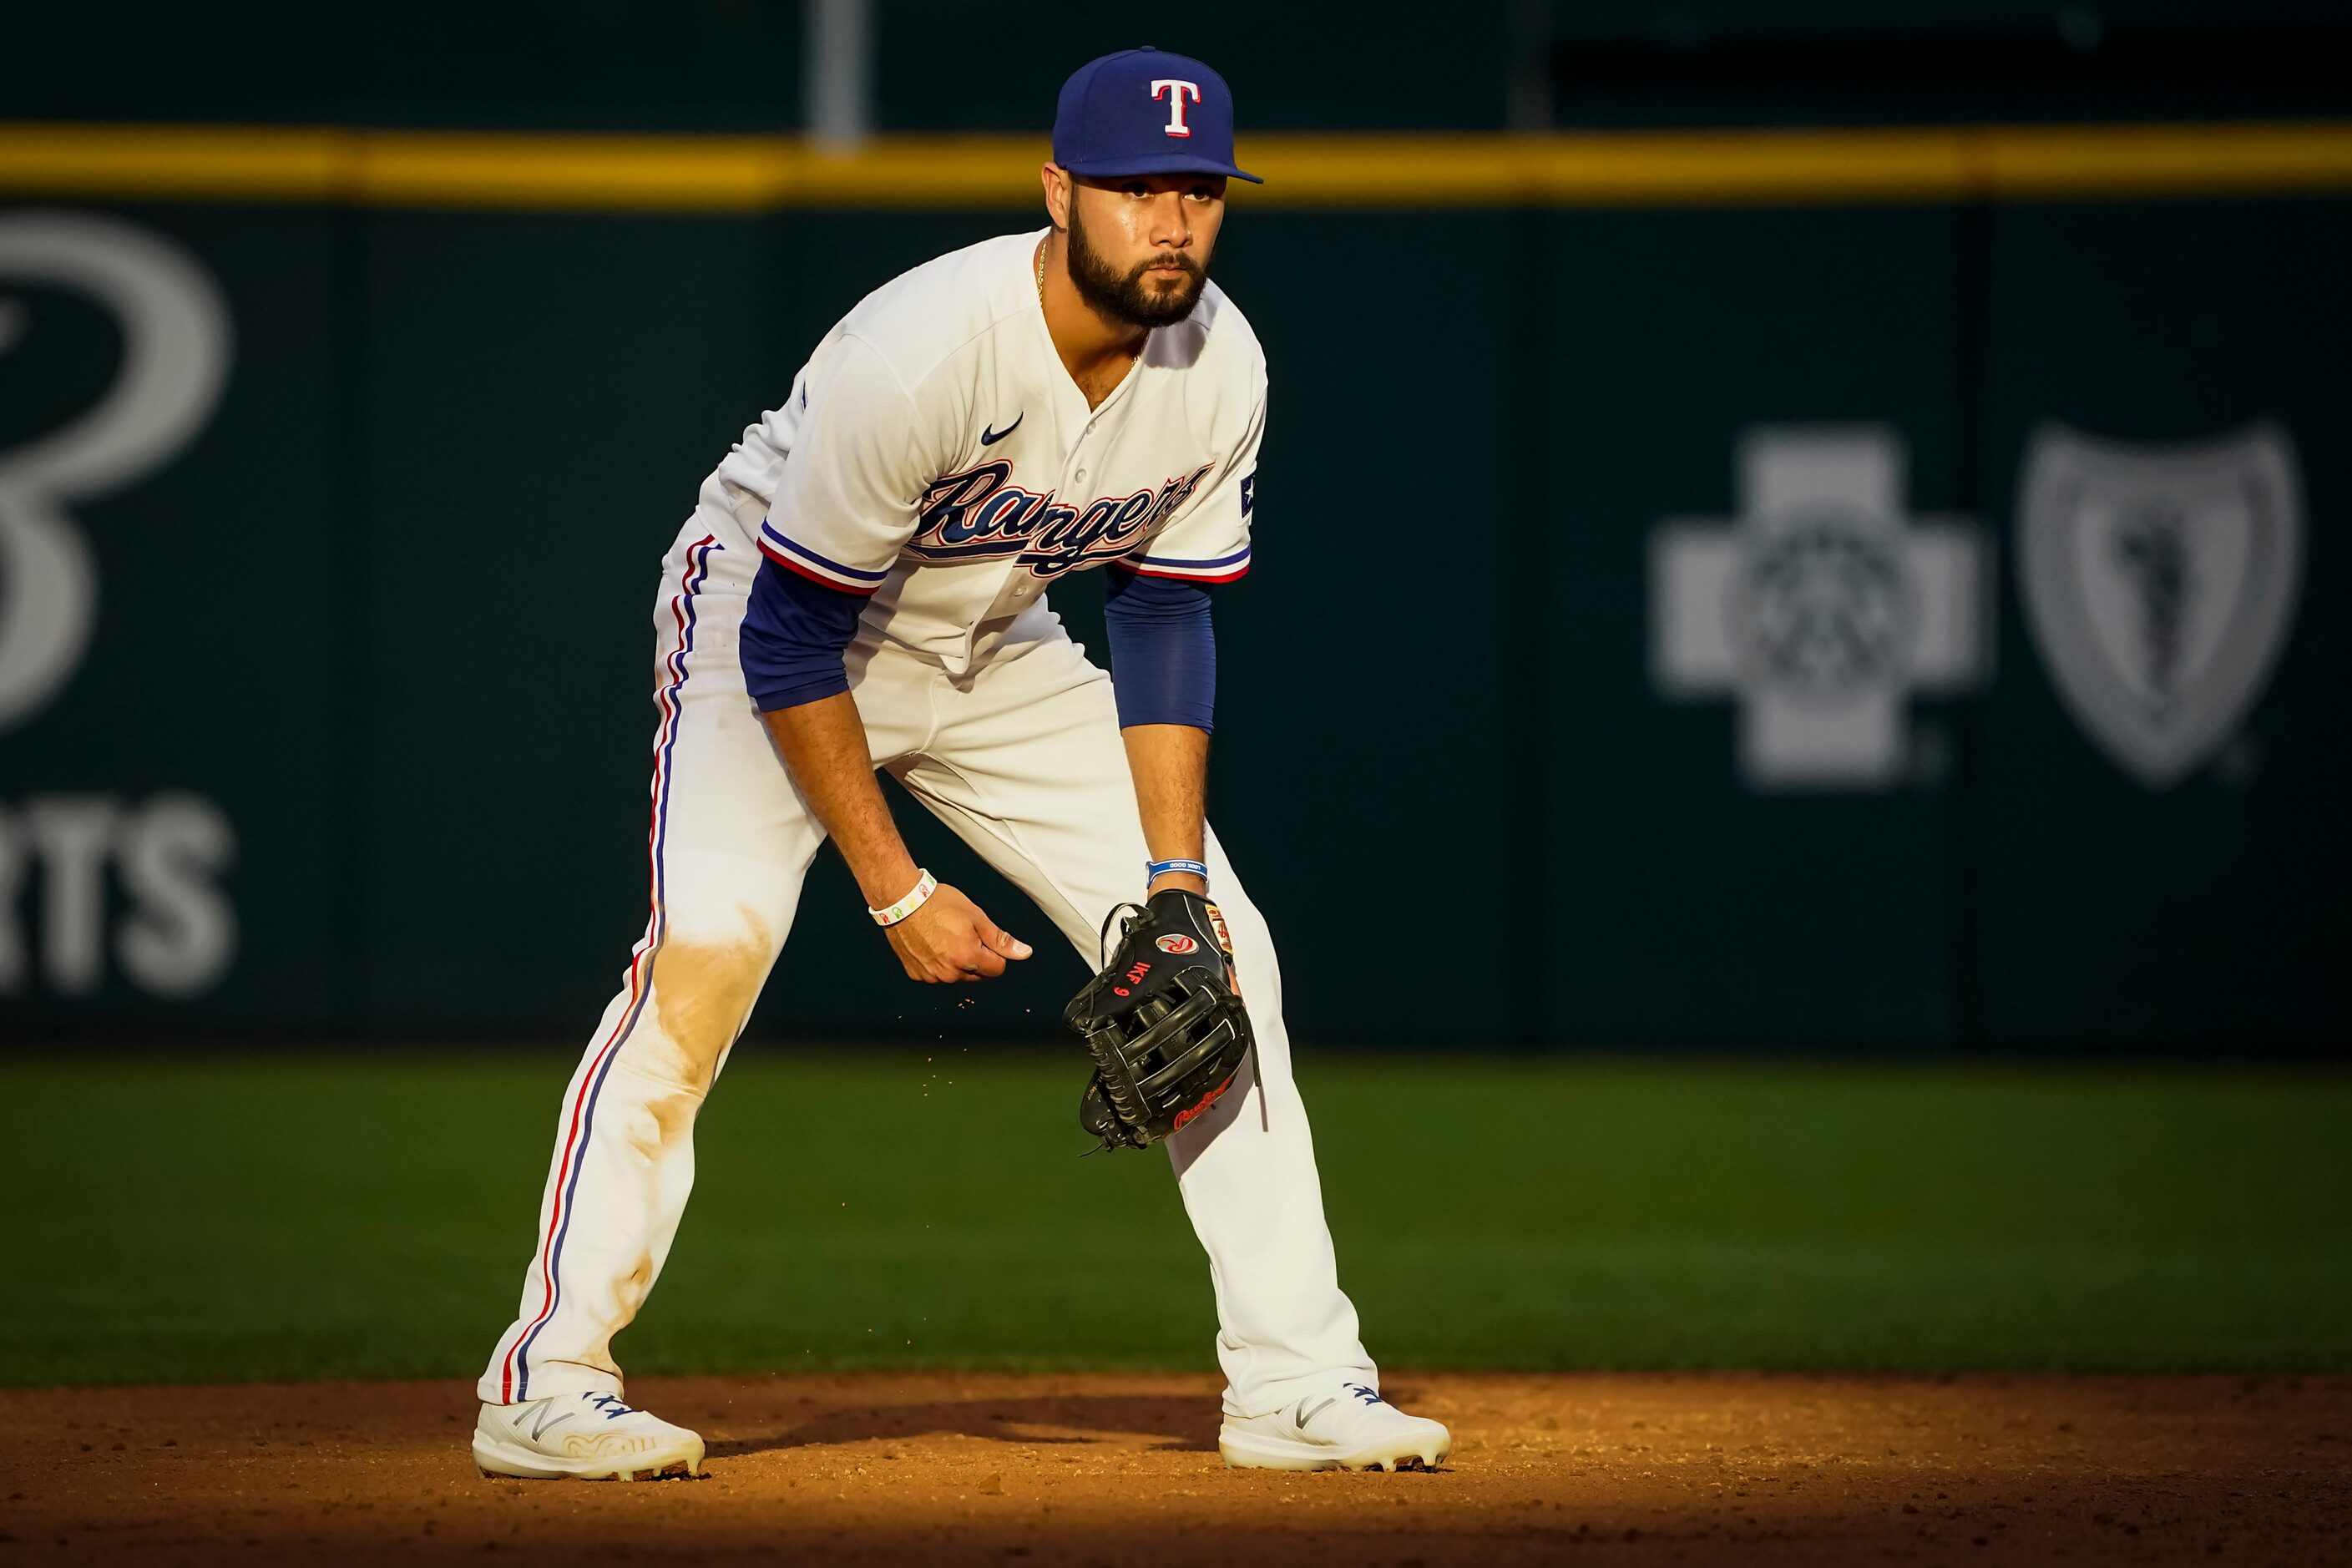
<point>1182,1424</point>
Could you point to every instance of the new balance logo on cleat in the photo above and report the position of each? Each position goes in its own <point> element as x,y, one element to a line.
<point>547,1418</point>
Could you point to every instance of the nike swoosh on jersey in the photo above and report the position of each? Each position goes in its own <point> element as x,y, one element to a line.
<point>989,438</point>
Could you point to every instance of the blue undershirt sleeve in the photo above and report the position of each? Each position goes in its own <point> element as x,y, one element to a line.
<point>795,633</point>
<point>1163,650</point>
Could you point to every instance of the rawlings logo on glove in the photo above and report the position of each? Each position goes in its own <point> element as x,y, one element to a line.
<point>1163,1021</point>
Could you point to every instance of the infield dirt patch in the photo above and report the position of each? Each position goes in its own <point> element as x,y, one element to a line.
<point>931,1467</point>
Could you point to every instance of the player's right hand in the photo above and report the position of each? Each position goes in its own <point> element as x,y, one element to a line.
<point>949,939</point>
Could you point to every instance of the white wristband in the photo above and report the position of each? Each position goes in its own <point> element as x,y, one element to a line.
<point>924,888</point>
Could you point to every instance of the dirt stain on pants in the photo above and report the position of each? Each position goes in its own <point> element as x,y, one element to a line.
<point>702,992</point>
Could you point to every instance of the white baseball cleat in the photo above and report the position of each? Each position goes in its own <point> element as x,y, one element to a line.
<point>584,1436</point>
<point>1350,1428</point>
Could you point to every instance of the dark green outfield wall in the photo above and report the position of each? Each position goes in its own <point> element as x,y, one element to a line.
<point>386,610</point>
<point>1302,65</point>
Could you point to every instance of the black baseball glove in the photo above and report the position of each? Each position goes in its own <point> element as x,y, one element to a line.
<point>1162,1022</point>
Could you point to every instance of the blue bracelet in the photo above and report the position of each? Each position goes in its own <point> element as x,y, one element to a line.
<point>1154,870</point>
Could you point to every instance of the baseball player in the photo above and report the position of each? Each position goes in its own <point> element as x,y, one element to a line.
<point>861,587</point>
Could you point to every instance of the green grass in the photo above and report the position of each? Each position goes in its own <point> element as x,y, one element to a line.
<point>211,1218</point>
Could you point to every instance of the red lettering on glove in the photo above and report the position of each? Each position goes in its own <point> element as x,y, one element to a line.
<point>1207,1100</point>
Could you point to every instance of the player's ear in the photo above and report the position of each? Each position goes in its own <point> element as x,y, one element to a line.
<point>1057,193</point>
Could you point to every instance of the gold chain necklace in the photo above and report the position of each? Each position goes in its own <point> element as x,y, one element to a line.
<point>1041,306</point>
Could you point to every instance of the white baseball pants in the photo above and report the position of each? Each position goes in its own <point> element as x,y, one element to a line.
<point>1021,757</point>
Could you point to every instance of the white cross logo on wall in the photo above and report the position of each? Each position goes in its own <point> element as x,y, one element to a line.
<point>1820,607</point>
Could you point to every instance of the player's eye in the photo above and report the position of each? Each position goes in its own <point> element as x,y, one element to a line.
<point>1138,188</point>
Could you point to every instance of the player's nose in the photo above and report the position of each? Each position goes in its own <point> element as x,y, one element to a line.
<point>1172,226</point>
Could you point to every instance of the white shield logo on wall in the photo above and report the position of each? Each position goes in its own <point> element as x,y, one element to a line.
<point>2159,583</point>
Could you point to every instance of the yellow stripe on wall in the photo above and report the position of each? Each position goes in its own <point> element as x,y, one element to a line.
<point>763,173</point>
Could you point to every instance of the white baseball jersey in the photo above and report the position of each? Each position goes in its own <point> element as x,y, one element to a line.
<point>936,455</point>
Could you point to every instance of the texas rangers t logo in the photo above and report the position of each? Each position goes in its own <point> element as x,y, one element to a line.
<point>1182,90</point>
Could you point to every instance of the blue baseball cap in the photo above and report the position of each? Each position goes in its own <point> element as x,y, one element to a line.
<point>1140,111</point>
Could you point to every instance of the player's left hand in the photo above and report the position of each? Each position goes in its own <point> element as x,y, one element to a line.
<point>1162,1022</point>
<point>949,940</point>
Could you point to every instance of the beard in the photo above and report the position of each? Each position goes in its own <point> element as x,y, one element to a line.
<point>1127,296</point>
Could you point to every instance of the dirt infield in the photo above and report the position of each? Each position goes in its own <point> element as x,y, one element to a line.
<point>898,1468</point>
